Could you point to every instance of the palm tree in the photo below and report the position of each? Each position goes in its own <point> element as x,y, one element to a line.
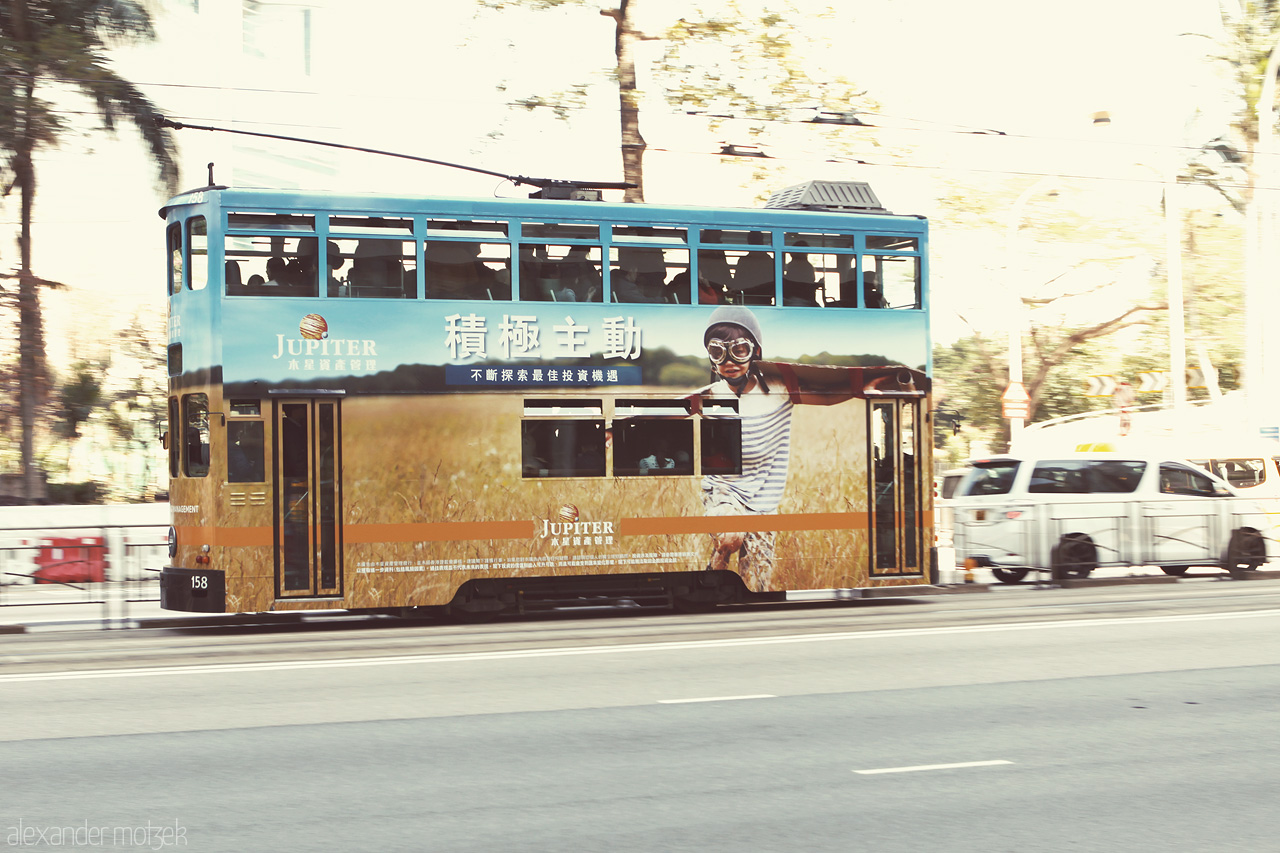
<point>61,44</point>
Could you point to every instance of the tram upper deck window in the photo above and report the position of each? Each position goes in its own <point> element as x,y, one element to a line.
<point>271,222</point>
<point>175,257</point>
<point>275,264</point>
<point>892,243</point>
<point>373,268</point>
<point>556,231</point>
<point>893,279</point>
<point>371,226</point>
<point>468,229</point>
<point>560,273</point>
<point>649,274</point>
<point>815,240</point>
<point>650,234</point>
<point>743,275</point>
<point>467,259</point>
<point>198,248</point>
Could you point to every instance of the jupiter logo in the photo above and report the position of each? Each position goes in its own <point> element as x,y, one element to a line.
<point>313,340</point>
<point>313,327</point>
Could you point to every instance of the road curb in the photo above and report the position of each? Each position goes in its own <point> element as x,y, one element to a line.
<point>1083,583</point>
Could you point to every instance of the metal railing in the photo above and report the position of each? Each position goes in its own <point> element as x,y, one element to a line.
<point>98,572</point>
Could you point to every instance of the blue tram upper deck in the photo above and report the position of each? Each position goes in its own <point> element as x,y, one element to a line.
<point>274,286</point>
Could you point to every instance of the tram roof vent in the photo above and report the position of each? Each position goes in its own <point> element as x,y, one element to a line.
<point>843,196</point>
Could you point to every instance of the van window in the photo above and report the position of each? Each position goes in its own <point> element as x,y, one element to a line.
<point>949,484</point>
<point>1081,476</point>
<point>1241,473</point>
<point>1180,480</point>
<point>990,478</point>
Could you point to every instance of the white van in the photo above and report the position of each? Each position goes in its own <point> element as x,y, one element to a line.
<point>1073,513</point>
<point>944,488</point>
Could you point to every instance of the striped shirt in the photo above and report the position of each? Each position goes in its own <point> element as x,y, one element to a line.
<point>766,449</point>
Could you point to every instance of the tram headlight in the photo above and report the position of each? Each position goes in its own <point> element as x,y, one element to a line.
<point>173,542</point>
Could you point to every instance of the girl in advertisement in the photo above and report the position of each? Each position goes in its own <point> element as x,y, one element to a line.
<point>767,393</point>
<point>733,341</point>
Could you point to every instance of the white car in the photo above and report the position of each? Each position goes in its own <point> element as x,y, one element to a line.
<point>1070,514</point>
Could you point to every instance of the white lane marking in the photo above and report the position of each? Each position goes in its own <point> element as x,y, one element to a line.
<point>932,767</point>
<point>621,648</point>
<point>716,699</point>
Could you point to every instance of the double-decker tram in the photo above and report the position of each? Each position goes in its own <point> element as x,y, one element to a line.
<point>387,403</point>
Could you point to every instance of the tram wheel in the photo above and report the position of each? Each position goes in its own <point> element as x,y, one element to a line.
<point>1010,575</point>
<point>1075,556</point>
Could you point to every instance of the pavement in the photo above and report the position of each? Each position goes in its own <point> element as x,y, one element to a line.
<point>134,604</point>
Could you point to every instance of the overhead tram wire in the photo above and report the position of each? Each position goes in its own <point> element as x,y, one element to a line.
<point>518,180</point>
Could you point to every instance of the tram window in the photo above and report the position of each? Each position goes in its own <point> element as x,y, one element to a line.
<point>884,484</point>
<point>562,448</point>
<point>276,265</point>
<point>734,238</point>
<point>894,279</point>
<point>195,435</point>
<point>271,222</point>
<point>372,225</point>
<point>246,408</point>
<point>174,359</point>
<point>467,229</point>
<point>563,407</point>
<point>377,269</point>
<point>648,234</point>
<point>754,278</point>
<point>714,276</point>
<point>910,476</point>
<point>560,273</point>
<point>198,245</point>
<point>810,280</point>
<point>175,258</point>
<point>172,442</point>
<point>652,447</point>
<point>554,231</point>
<point>721,445</point>
<point>891,243</point>
<point>246,459</point>
<point>819,241</point>
<point>652,437</point>
<point>649,274</point>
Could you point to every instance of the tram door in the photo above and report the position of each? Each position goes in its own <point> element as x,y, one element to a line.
<point>897,533</point>
<point>307,498</point>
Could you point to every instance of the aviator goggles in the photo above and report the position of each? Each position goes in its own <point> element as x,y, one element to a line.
<point>739,350</point>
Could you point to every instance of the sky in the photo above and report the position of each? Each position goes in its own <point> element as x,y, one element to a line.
<point>423,78</point>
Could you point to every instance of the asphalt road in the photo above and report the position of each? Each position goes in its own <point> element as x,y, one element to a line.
<point>1101,719</point>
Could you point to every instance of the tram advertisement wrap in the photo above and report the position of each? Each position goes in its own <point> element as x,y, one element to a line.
<point>362,347</point>
<point>444,477</point>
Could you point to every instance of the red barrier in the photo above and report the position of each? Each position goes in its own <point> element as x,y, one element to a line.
<point>81,559</point>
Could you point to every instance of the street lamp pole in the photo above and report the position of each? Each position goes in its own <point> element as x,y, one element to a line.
<point>1260,253</point>
<point>1173,275</point>
<point>1019,323</point>
<point>1177,303</point>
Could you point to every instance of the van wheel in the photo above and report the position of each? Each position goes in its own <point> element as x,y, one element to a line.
<point>1075,556</point>
<point>1010,575</point>
<point>1246,551</point>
